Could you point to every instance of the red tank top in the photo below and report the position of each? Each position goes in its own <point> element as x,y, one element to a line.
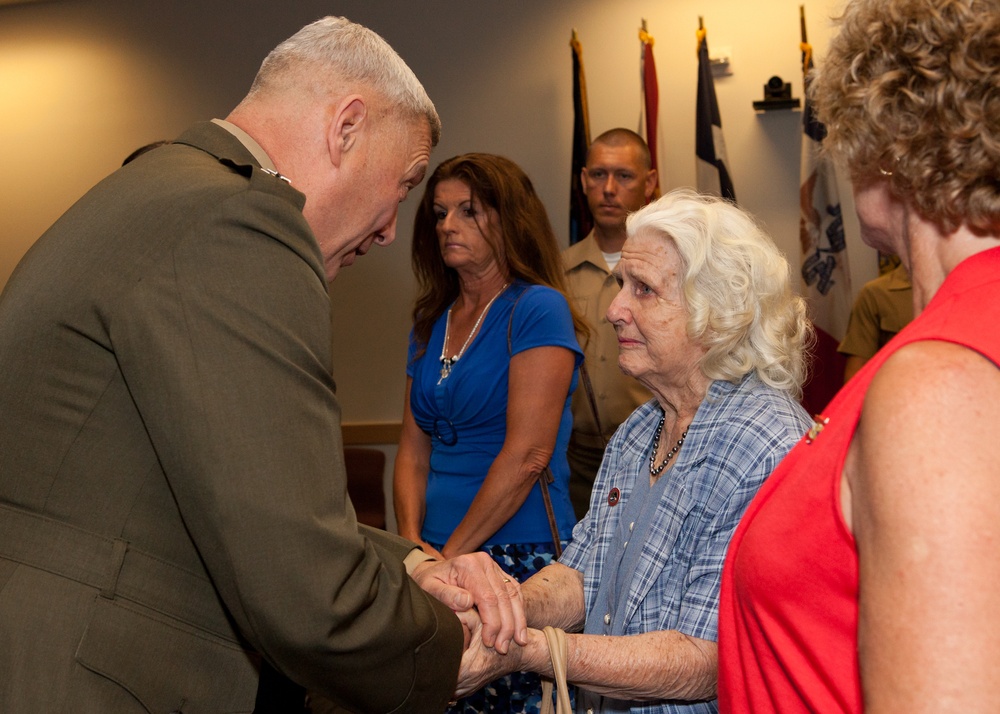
<point>788,610</point>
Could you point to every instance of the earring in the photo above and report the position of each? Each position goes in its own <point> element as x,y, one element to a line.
<point>888,172</point>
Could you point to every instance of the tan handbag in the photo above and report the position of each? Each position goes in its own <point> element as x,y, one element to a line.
<point>559,651</point>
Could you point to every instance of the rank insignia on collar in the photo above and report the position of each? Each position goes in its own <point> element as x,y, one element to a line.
<point>277,175</point>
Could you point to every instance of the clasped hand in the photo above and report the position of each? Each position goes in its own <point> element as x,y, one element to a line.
<point>474,580</point>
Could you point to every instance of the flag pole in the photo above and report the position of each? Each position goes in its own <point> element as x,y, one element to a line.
<point>580,220</point>
<point>711,160</point>
<point>650,101</point>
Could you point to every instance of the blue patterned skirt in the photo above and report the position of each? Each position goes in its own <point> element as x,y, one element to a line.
<point>519,692</point>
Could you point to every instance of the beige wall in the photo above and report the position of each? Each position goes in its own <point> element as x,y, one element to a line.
<point>83,82</point>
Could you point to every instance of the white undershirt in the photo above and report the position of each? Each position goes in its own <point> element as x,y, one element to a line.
<point>612,259</point>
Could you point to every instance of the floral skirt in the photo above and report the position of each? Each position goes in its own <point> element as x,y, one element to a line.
<point>519,692</point>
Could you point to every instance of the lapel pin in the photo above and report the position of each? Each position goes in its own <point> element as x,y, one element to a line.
<point>819,422</point>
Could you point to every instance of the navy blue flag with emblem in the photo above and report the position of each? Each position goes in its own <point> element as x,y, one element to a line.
<point>710,146</point>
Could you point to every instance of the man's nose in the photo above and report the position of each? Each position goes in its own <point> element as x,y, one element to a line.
<point>388,235</point>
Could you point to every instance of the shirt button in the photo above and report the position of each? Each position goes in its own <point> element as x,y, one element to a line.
<point>607,619</point>
<point>631,526</point>
<point>625,544</point>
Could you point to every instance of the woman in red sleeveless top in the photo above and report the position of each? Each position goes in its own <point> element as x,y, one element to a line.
<point>865,576</point>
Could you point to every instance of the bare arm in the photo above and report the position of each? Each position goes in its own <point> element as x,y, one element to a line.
<point>923,500</point>
<point>409,477</point>
<point>538,385</point>
<point>554,596</point>
<point>648,667</point>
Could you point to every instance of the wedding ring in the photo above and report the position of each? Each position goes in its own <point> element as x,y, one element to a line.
<point>506,580</point>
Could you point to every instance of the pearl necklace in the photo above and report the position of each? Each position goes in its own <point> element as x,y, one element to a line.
<point>448,362</point>
<point>655,470</point>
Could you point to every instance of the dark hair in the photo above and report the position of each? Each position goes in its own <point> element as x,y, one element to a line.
<point>528,249</point>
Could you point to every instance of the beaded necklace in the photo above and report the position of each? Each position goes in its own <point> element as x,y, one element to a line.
<point>448,362</point>
<point>655,470</point>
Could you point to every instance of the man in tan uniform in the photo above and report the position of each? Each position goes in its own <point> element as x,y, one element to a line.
<point>884,306</point>
<point>617,180</point>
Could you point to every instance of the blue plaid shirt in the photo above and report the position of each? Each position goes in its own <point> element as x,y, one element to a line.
<point>738,436</point>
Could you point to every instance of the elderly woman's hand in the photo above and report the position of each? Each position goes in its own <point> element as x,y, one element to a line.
<point>482,664</point>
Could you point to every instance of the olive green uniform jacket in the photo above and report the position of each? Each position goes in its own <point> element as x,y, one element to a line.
<point>172,487</point>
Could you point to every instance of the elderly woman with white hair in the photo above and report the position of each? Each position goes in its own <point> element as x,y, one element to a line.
<point>708,321</point>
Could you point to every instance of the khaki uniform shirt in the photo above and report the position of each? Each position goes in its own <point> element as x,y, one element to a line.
<point>592,287</point>
<point>884,307</point>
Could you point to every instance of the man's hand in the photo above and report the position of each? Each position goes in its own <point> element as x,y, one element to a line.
<point>474,579</point>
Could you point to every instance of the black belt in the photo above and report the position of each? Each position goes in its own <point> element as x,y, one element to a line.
<point>114,567</point>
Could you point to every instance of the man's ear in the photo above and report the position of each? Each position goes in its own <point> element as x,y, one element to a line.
<point>650,184</point>
<point>349,119</point>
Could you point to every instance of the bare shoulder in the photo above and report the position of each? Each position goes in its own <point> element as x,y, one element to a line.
<point>928,431</point>
<point>933,385</point>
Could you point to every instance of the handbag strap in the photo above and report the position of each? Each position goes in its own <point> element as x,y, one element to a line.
<point>545,477</point>
<point>588,387</point>
<point>559,652</point>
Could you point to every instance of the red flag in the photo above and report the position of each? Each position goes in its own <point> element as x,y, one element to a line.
<point>824,255</point>
<point>580,220</point>
<point>650,101</point>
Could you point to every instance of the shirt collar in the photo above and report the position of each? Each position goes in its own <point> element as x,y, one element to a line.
<point>251,145</point>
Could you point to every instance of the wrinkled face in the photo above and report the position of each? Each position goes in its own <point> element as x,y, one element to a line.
<point>650,315</point>
<point>616,183</point>
<point>462,225</point>
<point>388,164</point>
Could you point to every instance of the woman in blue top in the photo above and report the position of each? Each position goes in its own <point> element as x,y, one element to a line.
<point>492,364</point>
